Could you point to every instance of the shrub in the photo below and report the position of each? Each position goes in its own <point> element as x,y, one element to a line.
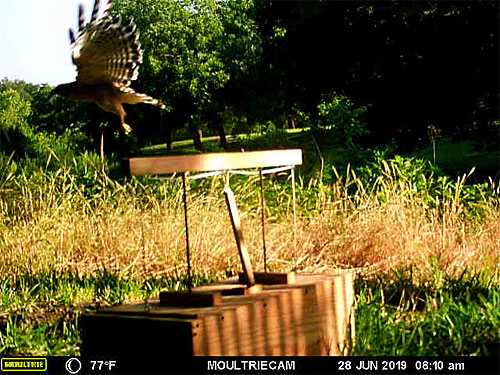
<point>339,120</point>
<point>15,133</point>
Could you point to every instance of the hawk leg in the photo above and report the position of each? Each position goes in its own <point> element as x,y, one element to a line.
<point>118,109</point>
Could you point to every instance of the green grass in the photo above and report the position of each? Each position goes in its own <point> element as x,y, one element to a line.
<point>75,217</point>
<point>460,157</point>
<point>41,312</point>
<point>394,315</point>
<point>290,137</point>
<point>460,316</point>
<point>454,158</point>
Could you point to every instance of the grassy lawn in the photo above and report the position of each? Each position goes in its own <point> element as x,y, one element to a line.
<point>458,158</point>
<point>429,281</point>
<point>458,316</point>
<point>394,316</point>
<point>44,309</point>
<point>454,158</point>
<point>212,142</point>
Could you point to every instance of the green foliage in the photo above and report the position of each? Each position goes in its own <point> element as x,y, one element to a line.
<point>14,130</point>
<point>265,136</point>
<point>31,120</point>
<point>425,183</point>
<point>25,89</point>
<point>341,120</point>
<point>240,43</point>
<point>40,338</point>
<point>458,316</point>
<point>192,50</point>
<point>14,109</point>
<point>56,114</point>
<point>43,310</point>
<point>47,153</point>
<point>191,47</point>
<point>416,171</point>
<point>36,130</point>
<point>389,55</point>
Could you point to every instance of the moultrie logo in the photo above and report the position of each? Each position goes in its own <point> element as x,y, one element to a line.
<point>23,364</point>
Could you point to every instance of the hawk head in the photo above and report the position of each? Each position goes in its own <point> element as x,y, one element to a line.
<point>64,89</point>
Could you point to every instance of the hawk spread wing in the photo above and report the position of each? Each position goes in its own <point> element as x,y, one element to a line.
<point>107,54</point>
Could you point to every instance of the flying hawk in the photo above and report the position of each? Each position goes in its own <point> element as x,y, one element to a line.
<point>107,54</point>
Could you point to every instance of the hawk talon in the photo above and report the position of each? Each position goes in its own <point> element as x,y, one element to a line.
<point>127,129</point>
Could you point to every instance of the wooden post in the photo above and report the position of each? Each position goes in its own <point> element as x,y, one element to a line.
<point>294,221</point>
<point>101,147</point>
<point>101,152</point>
<point>238,235</point>
<point>184,198</point>
<point>263,219</point>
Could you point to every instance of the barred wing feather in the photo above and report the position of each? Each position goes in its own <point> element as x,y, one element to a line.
<point>107,51</point>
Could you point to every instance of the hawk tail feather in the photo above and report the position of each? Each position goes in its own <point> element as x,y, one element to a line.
<point>133,97</point>
<point>150,100</point>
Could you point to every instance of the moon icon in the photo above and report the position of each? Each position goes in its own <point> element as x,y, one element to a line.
<point>73,369</point>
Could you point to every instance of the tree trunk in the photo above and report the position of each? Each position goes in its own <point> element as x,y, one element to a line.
<point>222,133</point>
<point>168,136</point>
<point>193,128</point>
<point>166,126</point>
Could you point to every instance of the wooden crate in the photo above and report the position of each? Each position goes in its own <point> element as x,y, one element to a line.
<point>308,316</point>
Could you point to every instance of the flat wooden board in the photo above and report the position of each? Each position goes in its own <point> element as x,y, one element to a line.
<point>200,299</point>
<point>219,161</point>
<point>230,289</point>
<point>270,278</point>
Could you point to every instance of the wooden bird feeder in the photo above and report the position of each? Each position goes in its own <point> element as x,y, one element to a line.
<point>257,313</point>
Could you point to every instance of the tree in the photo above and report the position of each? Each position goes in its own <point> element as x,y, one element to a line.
<point>339,119</point>
<point>418,63</point>
<point>23,88</point>
<point>191,50</point>
<point>14,129</point>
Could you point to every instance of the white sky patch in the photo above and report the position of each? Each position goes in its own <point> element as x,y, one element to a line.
<point>34,40</point>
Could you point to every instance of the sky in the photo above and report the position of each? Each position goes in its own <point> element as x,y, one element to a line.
<point>34,42</point>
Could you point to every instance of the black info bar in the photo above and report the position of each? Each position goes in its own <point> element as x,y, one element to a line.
<point>251,365</point>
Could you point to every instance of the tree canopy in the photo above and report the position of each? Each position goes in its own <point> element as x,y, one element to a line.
<point>224,65</point>
<point>416,63</point>
<point>192,49</point>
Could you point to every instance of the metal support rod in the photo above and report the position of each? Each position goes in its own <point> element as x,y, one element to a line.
<point>184,198</point>
<point>262,215</point>
<point>294,220</point>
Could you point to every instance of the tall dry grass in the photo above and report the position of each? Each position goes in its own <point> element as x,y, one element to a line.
<point>55,223</point>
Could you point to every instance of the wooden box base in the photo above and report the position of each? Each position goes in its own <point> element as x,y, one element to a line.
<point>309,315</point>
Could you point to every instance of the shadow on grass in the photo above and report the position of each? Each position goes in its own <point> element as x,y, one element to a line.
<point>456,316</point>
<point>39,314</point>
